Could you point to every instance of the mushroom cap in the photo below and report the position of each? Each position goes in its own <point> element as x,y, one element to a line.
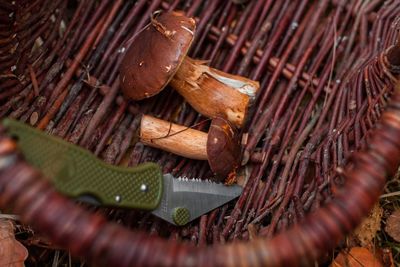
<point>393,56</point>
<point>223,148</point>
<point>155,55</point>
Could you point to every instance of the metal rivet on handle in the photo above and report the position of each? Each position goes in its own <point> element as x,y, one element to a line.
<point>143,188</point>
<point>181,216</point>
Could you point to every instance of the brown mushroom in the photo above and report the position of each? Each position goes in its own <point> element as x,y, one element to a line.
<point>157,56</point>
<point>220,146</point>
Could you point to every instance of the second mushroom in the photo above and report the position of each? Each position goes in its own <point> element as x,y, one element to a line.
<point>220,146</point>
<point>157,56</point>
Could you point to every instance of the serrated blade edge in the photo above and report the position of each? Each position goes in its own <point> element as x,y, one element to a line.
<point>197,196</point>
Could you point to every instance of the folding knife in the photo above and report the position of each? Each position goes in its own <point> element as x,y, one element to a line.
<point>77,173</point>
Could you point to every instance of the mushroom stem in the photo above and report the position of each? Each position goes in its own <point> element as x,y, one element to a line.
<point>214,93</point>
<point>173,138</point>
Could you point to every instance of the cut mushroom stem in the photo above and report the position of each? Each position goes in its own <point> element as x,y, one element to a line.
<point>214,93</point>
<point>220,146</point>
<point>157,56</point>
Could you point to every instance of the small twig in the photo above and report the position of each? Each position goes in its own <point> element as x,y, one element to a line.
<point>34,80</point>
<point>10,217</point>
<point>392,194</point>
<point>178,132</point>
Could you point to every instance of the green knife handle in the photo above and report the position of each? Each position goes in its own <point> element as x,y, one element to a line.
<point>77,172</point>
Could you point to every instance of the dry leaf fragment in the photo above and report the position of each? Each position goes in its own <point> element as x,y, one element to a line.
<point>12,252</point>
<point>356,257</point>
<point>367,230</point>
<point>393,225</point>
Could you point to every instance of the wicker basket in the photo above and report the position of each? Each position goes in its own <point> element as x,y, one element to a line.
<point>318,144</point>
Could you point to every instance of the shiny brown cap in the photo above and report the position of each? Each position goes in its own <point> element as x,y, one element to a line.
<point>155,55</point>
<point>223,148</point>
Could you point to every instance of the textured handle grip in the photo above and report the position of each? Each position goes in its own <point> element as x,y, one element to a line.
<point>76,172</point>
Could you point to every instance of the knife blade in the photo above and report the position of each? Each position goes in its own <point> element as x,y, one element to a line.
<point>77,173</point>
